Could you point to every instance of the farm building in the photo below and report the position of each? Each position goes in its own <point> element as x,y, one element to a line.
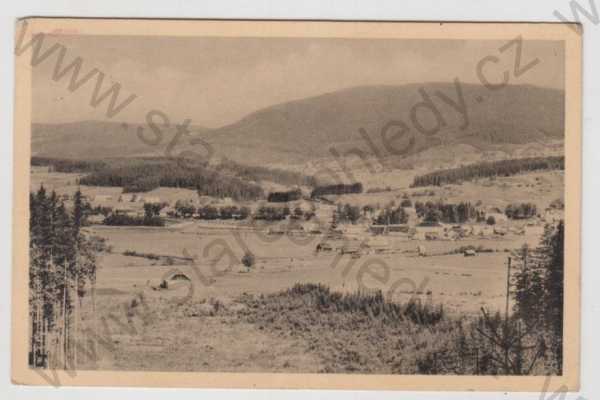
<point>398,228</point>
<point>378,229</point>
<point>500,231</point>
<point>171,278</point>
<point>95,219</point>
<point>352,249</point>
<point>226,201</point>
<point>324,247</point>
<point>379,243</point>
<point>482,230</point>
<point>312,227</point>
<point>552,215</point>
<point>470,253</point>
<point>428,232</point>
<point>167,212</point>
<point>349,229</point>
<point>389,229</point>
<point>276,231</point>
<point>204,200</point>
<point>102,198</point>
<point>304,205</point>
<point>432,235</point>
<point>153,200</point>
<point>125,210</point>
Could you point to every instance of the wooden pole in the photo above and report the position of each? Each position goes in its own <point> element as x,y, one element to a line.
<point>506,343</point>
<point>507,289</point>
<point>64,321</point>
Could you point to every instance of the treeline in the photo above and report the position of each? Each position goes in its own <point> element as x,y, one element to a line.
<point>268,213</point>
<point>116,219</point>
<point>151,217</point>
<point>68,165</point>
<point>520,210</point>
<point>337,189</point>
<point>489,169</point>
<point>226,212</point>
<point>62,269</point>
<point>433,212</point>
<point>143,176</point>
<point>392,216</point>
<point>539,290</point>
<point>346,214</point>
<point>284,197</point>
<point>257,173</point>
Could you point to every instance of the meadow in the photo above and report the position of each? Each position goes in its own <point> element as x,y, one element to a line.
<point>212,321</point>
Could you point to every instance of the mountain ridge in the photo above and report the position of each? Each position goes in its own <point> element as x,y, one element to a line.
<point>303,129</point>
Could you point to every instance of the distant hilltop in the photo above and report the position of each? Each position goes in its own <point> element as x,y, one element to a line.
<point>395,121</point>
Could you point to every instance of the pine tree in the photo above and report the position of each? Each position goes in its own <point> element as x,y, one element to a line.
<point>62,262</point>
<point>539,289</point>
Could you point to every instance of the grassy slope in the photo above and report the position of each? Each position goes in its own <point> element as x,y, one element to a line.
<point>304,329</point>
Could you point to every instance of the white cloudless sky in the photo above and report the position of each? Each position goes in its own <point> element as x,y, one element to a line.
<point>216,81</point>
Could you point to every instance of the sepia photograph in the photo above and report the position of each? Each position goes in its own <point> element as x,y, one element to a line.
<point>296,204</point>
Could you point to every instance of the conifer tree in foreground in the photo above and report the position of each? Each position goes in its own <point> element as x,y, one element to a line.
<point>61,270</point>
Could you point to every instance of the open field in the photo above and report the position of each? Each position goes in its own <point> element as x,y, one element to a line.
<point>210,322</point>
<point>462,283</point>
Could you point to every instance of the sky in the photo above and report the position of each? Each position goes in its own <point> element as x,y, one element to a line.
<point>217,81</point>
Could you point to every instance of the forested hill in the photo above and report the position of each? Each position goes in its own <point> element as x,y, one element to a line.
<point>306,129</point>
<point>311,127</point>
<point>489,169</point>
<point>227,179</point>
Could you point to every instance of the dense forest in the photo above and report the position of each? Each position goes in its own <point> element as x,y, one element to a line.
<point>346,213</point>
<point>284,197</point>
<point>226,212</point>
<point>257,173</point>
<point>142,174</point>
<point>520,210</point>
<point>339,188</point>
<point>68,165</point>
<point>146,175</point>
<point>539,292</point>
<point>392,216</point>
<point>62,273</point>
<point>151,217</point>
<point>489,169</point>
<point>433,212</point>
<point>268,213</point>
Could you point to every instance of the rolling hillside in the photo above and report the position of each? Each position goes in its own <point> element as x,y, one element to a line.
<point>307,129</point>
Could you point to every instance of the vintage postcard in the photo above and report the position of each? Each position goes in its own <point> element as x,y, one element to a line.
<point>297,204</point>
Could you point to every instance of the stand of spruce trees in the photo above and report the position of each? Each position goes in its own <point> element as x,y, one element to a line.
<point>62,273</point>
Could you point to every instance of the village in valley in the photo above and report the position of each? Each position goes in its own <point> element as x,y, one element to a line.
<point>439,244</point>
<point>419,232</point>
<point>295,245</point>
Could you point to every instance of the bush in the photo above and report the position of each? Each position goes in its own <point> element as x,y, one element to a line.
<point>248,259</point>
<point>490,220</point>
<point>127,220</point>
<point>368,303</point>
<point>521,210</point>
